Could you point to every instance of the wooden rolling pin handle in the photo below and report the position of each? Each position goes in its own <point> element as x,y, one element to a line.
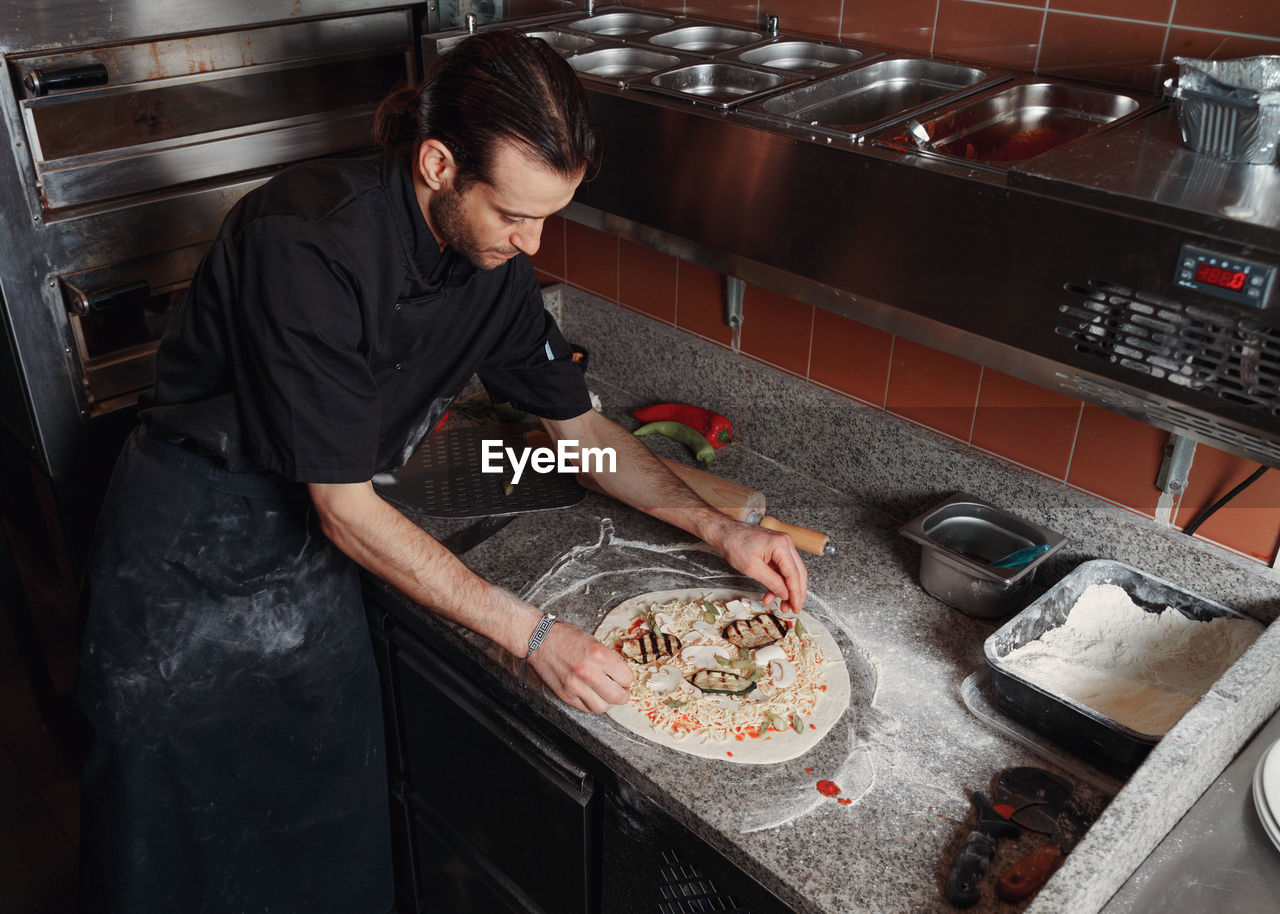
<point>806,540</point>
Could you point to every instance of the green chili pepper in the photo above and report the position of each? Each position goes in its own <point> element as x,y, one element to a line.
<point>678,431</point>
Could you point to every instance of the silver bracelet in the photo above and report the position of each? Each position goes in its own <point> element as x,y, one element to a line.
<point>535,641</point>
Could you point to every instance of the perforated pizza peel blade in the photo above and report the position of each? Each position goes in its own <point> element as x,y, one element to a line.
<point>444,479</point>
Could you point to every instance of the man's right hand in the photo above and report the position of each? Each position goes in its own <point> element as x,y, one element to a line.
<point>584,673</point>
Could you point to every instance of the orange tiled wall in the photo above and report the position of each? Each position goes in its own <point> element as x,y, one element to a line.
<point>1080,445</point>
<point>1124,42</point>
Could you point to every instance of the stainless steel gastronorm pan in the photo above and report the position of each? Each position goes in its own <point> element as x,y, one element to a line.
<point>620,65</point>
<point>960,538</point>
<point>714,83</point>
<point>704,38</point>
<point>850,103</point>
<point>802,56</point>
<point>565,43</point>
<point>621,23</point>
<point>1019,122</point>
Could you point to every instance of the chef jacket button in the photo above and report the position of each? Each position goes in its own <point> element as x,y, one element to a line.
<point>397,366</point>
<point>397,306</point>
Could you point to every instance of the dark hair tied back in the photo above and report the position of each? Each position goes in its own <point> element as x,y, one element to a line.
<point>493,87</point>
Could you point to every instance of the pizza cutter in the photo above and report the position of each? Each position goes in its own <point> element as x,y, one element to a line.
<point>1025,877</point>
<point>1025,797</point>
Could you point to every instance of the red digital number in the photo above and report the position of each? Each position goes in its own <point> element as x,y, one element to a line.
<point>1216,276</point>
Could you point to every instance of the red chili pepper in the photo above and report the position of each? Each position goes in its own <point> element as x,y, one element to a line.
<point>717,429</point>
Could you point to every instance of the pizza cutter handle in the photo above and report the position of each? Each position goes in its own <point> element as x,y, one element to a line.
<point>976,854</point>
<point>1025,877</point>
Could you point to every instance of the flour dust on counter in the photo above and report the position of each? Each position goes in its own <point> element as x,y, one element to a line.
<point>589,580</point>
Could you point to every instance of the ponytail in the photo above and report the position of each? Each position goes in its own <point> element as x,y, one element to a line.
<point>396,120</point>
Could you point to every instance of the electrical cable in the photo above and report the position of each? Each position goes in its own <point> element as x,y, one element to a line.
<point>1204,515</point>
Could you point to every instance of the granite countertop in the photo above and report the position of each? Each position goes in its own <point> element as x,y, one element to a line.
<point>909,752</point>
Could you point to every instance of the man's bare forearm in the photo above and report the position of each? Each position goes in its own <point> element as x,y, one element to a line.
<point>382,540</point>
<point>641,480</point>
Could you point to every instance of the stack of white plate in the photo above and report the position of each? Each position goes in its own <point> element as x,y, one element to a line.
<point>1266,792</point>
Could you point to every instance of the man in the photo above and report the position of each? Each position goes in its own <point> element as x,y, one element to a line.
<point>237,761</point>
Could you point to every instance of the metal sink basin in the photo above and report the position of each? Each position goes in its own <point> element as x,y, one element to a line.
<point>715,83</point>
<point>801,56</point>
<point>1018,123</point>
<point>850,103</point>
<point>705,39</point>
<point>621,65</point>
<point>621,23</point>
<point>565,43</point>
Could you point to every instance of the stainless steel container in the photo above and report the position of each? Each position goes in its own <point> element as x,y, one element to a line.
<point>961,538</point>
<point>1016,123</point>
<point>717,84</point>
<point>849,104</point>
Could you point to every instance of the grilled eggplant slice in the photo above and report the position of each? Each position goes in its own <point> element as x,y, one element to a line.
<point>757,631</point>
<point>649,647</point>
<point>723,682</point>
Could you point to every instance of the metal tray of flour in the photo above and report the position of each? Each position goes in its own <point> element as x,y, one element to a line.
<point>1106,743</point>
<point>443,478</point>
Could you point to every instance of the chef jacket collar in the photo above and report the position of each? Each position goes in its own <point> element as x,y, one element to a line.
<point>440,269</point>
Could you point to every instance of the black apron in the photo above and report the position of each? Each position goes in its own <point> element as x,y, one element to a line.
<point>237,763</point>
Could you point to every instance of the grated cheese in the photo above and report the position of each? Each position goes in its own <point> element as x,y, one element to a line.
<point>687,711</point>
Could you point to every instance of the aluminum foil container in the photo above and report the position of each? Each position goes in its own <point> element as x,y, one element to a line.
<point>1230,109</point>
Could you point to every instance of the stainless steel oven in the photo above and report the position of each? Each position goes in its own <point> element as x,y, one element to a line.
<point>130,128</point>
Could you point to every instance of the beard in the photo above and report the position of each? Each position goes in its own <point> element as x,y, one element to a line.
<point>446,213</point>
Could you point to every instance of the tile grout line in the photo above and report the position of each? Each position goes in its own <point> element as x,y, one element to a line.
<point>1127,19</point>
<point>1164,50</point>
<point>808,359</point>
<point>977,398</point>
<point>1044,24</point>
<point>1075,438</point>
<point>888,375</point>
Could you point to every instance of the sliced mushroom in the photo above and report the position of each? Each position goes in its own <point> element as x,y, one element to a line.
<point>757,631</point>
<point>782,673</point>
<point>649,647</point>
<point>768,653</point>
<point>704,655</point>
<point>723,682</point>
<point>664,678</point>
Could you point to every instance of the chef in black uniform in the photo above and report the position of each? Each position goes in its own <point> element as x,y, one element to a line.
<point>237,761</point>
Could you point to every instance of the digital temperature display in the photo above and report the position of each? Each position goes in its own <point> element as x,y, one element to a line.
<point>1225,276</point>
<point>1222,278</point>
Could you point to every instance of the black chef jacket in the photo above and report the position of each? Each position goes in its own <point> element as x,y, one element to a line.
<point>325,333</point>
<point>237,763</point>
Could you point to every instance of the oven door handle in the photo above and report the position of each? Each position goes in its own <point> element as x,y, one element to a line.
<point>40,81</point>
<point>95,301</point>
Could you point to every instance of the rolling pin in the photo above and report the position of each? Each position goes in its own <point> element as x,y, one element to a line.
<point>726,496</point>
<point>747,505</point>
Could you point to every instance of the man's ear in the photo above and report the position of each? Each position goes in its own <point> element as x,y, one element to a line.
<point>436,164</point>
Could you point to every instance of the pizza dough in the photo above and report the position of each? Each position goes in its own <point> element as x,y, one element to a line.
<point>831,690</point>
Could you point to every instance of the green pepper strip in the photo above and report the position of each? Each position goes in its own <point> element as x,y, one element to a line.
<point>678,431</point>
